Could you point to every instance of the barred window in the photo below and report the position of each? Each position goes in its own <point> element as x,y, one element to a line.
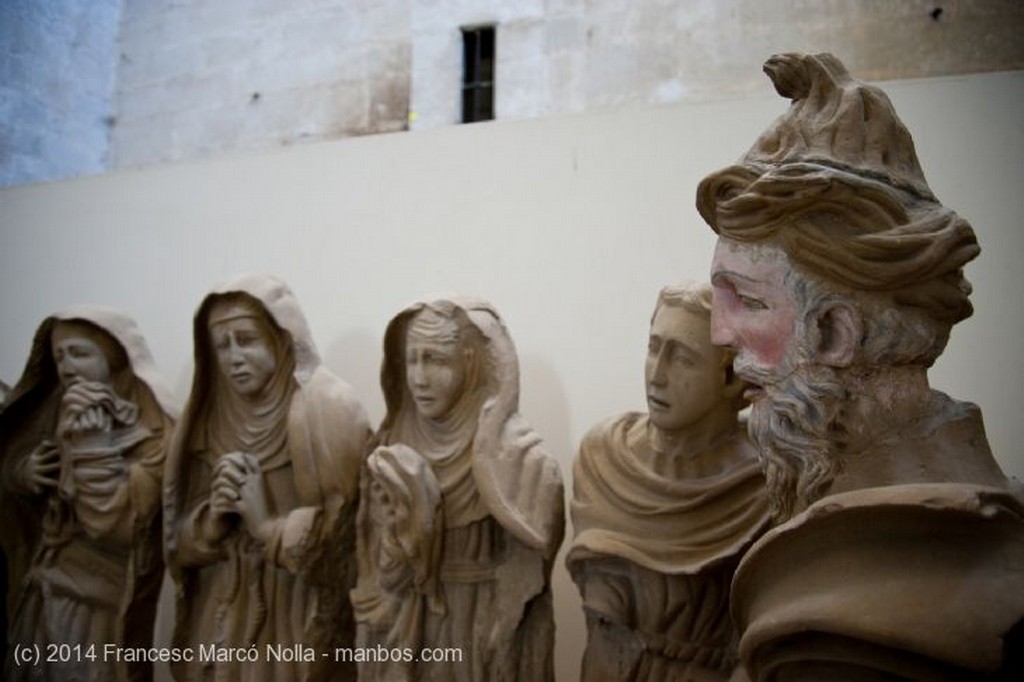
<point>477,73</point>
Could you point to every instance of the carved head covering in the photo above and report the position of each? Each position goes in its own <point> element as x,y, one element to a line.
<point>40,375</point>
<point>215,419</point>
<point>495,367</point>
<point>277,300</point>
<point>491,370</point>
<point>835,182</point>
<point>215,411</point>
<point>482,450</point>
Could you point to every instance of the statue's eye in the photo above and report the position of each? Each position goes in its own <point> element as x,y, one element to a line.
<point>751,303</point>
<point>681,356</point>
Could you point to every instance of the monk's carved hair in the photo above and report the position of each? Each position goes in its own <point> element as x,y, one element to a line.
<point>694,298</point>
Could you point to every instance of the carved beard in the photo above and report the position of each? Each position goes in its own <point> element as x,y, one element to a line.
<point>795,428</point>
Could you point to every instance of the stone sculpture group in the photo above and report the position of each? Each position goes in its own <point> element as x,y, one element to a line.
<point>855,526</point>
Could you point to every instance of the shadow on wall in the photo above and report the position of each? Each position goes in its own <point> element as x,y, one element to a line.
<point>544,404</point>
<point>356,357</point>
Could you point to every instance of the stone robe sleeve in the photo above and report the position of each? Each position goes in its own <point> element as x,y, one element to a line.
<point>328,437</point>
<point>328,434</point>
<point>194,547</point>
<point>520,483</point>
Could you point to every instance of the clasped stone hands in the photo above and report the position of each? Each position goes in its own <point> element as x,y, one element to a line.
<point>41,469</point>
<point>83,410</point>
<point>237,488</point>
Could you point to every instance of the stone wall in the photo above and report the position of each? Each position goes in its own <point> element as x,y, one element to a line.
<point>196,78</point>
<point>57,64</point>
<point>564,56</point>
<point>200,78</point>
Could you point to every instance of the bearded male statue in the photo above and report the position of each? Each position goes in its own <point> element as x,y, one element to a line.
<point>837,276</point>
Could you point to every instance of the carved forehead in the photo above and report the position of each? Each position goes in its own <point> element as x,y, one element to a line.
<point>761,263</point>
<point>429,325</point>
<point>237,312</point>
<point>226,308</point>
<point>683,326</point>
<point>68,330</point>
<point>64,330</point>
<point>755,252</point>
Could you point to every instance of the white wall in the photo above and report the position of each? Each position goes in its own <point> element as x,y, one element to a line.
<point>569,225</point>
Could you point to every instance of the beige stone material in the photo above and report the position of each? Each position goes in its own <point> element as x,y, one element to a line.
<point>463,510</point>
<point>664,505</point>
<point>82,443</point>
<point>837,278</point>
<point>261,491</point>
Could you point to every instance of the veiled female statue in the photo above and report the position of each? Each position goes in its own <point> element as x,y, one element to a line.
<point>82,443</point>
<point>463,511</point>
<point>261,493</point>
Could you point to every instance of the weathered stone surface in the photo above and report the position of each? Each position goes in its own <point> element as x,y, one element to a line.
<point>87,87</point>
<point>58,62</point>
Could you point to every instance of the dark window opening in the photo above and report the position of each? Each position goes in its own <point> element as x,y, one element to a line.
<point>477,74</point>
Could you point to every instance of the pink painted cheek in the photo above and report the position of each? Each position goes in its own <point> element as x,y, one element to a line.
<point>768,340</point>
<point>766,350</point>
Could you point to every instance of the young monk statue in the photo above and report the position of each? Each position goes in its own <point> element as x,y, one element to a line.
<point>664,505</point>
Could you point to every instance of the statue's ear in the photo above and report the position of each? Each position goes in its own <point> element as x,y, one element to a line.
<point>839,333</point>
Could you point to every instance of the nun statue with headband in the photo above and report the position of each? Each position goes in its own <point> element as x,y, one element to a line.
<point>260,498</point>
